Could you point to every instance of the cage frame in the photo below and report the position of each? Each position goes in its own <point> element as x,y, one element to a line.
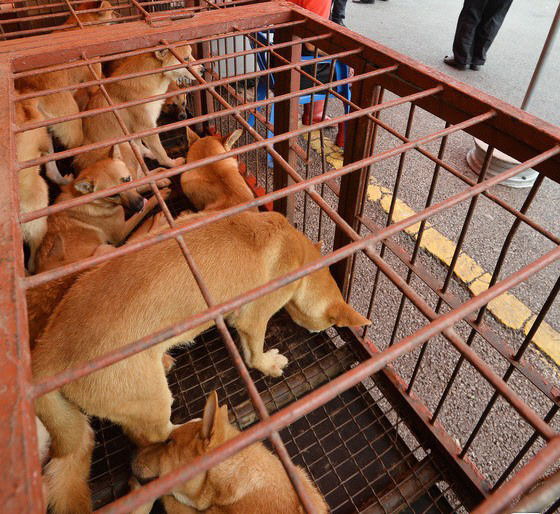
<point>531,141</point>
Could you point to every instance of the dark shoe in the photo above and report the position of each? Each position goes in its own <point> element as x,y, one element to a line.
<point>339,22</point>
<point>476,67</point>
<point>450,61</point>
<point>363,1</point>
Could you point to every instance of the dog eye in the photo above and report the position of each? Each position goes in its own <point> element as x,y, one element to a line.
<point>113,197</point>
<point>126,179</point>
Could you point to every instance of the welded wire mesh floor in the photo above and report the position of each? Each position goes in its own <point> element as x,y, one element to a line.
<point>351,447</point>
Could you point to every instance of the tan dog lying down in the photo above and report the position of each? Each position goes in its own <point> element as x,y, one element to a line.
<point>137,294</point>
<point>219,185</point>
<point>250,481</point>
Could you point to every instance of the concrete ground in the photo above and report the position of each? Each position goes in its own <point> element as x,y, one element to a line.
<point>424,31</point>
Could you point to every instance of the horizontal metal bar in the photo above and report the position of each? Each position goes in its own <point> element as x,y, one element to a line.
<point>24,217</point>
<point>155,71</point>
<point>486,332</point>
<point>131,53</point>
<point>201,87</point>
<point>49,384</point>
<point>35,280</point>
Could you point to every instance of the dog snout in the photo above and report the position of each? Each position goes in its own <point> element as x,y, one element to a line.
<point>133,201</point>
<point>182,115</point>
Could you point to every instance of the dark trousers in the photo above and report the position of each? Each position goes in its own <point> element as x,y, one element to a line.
<point>338,12</point>
<point>477,27</point>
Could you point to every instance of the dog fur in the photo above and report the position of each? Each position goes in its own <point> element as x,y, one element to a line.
<point>252,480</point>
<point>138,118</point>
<point>175,105</point>
<point>65,487</point>
<point>111,306</point>
<point>56,105</point>
<point>33,190</point>
<point>219,185</point>
<point>82,231</point>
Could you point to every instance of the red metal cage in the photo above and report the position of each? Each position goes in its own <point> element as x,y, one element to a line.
<point>352,405</point>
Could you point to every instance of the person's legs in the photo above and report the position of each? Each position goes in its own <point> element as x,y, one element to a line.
<point>339,11</point>
<point>490,24</point>
<point>469,18</point>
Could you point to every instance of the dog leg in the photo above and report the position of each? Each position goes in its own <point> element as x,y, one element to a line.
<point>153,143</point>
<point>172,506</point>
<point>150,226</point>
<point>145,152</point>
<point>270,363</point>
<point>37,229</point>
<point>66,479</point>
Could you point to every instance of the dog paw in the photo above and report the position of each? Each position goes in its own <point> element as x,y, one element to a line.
<point>178,162</point>
<point>272,363</point>
<point>163,183</point>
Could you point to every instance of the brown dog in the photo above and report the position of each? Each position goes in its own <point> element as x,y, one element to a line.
<point>175,105</point>
<point>215,186</point>
<point>138,118</point>
<point>56,105</point>
<point>83,231</point>
<point>111,306</point>
<point>252,480</point>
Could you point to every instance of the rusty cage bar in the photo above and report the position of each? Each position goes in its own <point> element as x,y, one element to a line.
<point>352,405</point>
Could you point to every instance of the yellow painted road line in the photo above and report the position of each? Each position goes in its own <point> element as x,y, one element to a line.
<point>506,308</point>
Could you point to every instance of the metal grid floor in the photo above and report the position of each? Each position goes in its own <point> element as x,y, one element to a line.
<point>351,447</point>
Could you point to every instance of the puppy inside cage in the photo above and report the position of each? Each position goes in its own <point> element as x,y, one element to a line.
<point>222,265</point>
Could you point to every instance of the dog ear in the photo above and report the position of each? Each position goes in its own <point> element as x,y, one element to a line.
<point>115,152</point>
<point>161,54</point>
<point>212,431</point>
<point>192,136</point>
<point>84,186</point>
<point>342,315</point>
<point>232,138</point>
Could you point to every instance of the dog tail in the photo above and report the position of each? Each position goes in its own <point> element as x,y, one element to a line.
<point>66,479</point>
<point>64,421</point>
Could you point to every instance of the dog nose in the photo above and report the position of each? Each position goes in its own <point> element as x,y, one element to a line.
<point>138,204</point>
<point>182,116</point>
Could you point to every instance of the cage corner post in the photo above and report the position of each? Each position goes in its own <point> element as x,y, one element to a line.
<point>286,117</point>
<point>21,489</point>
<point>358,146</point>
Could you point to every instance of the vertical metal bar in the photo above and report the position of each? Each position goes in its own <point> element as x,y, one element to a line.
<point>286,118</point>
<point>542,59</point>
<point>21,473</point>
<point>451,269</point>
<point>351,185</point>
